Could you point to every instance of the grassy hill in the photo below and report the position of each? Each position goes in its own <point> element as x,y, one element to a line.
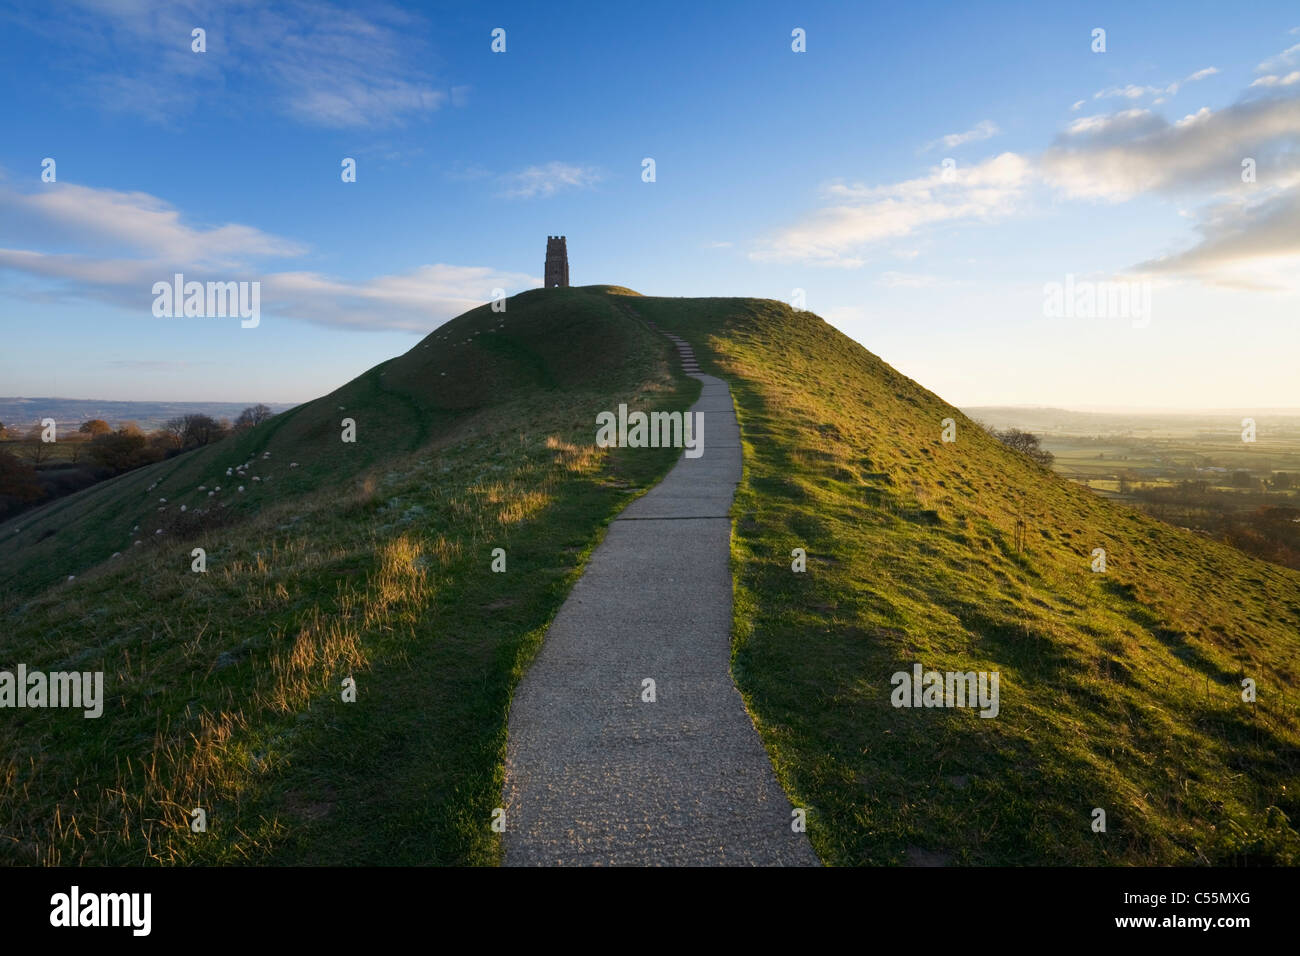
<point>369,559</point>
<point>1118,690</point>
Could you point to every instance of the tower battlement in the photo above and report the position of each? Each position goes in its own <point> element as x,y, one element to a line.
<point>555,274</point>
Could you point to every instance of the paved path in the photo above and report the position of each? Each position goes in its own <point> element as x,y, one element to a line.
<point>594,774</point>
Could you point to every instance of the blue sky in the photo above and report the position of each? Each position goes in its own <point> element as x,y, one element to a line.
<point>822,171</point>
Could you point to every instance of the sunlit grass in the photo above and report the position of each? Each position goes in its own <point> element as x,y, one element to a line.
<point>1119,690</point>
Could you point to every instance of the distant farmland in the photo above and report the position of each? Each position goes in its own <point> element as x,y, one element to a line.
<point>22,413</point>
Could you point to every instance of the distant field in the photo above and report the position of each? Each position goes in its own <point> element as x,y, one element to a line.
<point>1096,449</point>
<point>68,413</point>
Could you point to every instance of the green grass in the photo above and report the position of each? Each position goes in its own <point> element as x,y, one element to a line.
<point>369,560</point>
<point>1118,690</point>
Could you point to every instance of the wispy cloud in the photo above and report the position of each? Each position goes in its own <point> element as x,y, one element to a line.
<point>150,241</point>
<point>1249,232</point>
<point>1132,91</point>
<point>415,301</point>
<point>1249,229</point>
<point>1272,80</point>
<point>1245,244</point>
<point>984,129</point>
<point>547,180</point>
<point>1121,155</point>
<point>1276,64</point>
<point>320,63</point>
<point>861,216</point>
<point>138,222</point>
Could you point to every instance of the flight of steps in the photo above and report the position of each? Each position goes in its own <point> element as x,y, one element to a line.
<point>687,354</point>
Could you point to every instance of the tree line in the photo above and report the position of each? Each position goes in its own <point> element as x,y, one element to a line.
<point>33,470</point>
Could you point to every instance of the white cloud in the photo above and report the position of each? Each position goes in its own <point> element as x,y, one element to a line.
<point>548,180</point>
<point>1276,64</point>
<point>416,301</point>
<point>860,216</point>
<point>140,222</point>
<point>1134,151</point>
<point>984,129</point>
<point>1271,80</point>
<point>1249,233</point>
<point>1129,92</point>
<point>1132,91</point>
<point>164,244</point>
<point>1245,244</point>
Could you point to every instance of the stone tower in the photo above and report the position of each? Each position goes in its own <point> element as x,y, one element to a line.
<point>556,275</point>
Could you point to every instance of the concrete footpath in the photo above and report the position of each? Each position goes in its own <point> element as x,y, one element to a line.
<point>595,774</point>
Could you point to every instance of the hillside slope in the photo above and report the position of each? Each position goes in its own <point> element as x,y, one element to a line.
<point>369,560</point>
<point>1118,690</point>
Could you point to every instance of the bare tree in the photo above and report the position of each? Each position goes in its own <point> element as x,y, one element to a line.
<point>1026,443</point>
<point>174,429</point>
<point>35,450</point>
<point>252,416</point>
<point>202,430</point>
